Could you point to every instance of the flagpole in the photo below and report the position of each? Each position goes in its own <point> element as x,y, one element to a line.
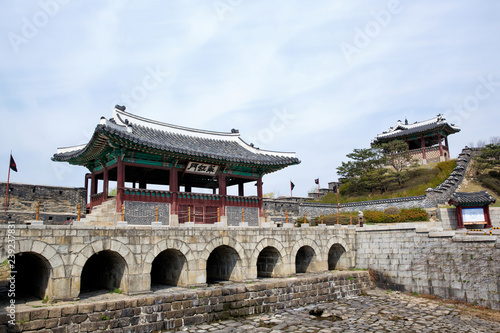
<point>319,195</point>
<point>7,189</point>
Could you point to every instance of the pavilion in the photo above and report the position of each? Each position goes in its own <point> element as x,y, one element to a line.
<point>145,156</point>
<point>424,139</point>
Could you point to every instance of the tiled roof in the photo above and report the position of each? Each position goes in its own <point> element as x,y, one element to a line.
<point>471,199</point>
<point>177,140</point>
<point>404,130</point>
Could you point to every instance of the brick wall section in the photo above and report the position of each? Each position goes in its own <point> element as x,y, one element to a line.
<point>234,216</point>
<point>143,213</point>
<point>445,264</point>
<point>151,313</point>
<point>55,201</point>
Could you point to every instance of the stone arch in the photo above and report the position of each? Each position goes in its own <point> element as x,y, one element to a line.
<point>88,251</point>
<point>168,268</point>
<point>236,259</point>
<point>104,270</point>
<point>43,249</point>
<point>279,269</point>
<point>216,242</point>
<point>32,277</point>
<point>49,261</point>
<point>223,264</point>
<point>343,260</point>
<point>309,254</point>
<point>163,245</point>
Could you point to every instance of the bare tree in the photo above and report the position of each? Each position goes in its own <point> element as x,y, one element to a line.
<point>495,140</point>
<point>481,143</point>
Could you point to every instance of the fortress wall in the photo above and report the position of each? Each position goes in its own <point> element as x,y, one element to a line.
<point>169,310</point>
<point>56,203</point>
<point>447,264</point>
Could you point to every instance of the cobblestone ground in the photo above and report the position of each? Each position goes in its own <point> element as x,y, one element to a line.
<point>378,311</point>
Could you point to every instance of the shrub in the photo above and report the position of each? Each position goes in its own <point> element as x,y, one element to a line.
<point>405,215</point>
<point>392,211</point>
<point>491,183</point>
<point>413,215</point>
<point>301,220</point>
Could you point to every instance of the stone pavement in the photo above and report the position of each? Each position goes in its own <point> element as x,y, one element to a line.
<point>377,311</point>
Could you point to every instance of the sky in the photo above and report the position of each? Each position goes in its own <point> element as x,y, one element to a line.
<point>315,78</point>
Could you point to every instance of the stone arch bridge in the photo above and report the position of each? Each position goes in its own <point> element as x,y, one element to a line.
<point>61,262</point>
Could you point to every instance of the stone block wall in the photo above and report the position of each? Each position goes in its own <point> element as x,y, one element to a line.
<point>495,216</point>
<point>57,204</point>
<point>157,312</point>
<point>446,264</point>
<point>448,218</point>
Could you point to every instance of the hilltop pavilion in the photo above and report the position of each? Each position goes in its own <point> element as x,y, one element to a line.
<point>137,153</point>
<point>424,139</point>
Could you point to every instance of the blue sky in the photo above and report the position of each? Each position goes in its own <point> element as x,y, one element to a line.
<point>318,78</point>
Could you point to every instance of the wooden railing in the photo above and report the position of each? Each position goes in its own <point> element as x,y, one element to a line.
<point>189,198</point>
<point>96,199</point>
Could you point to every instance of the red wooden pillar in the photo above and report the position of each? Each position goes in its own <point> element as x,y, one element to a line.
<point>173,186</point>
<point>120,184</point>
<point>259,195</point>
<point>222,193</point>
<point>422,144</point>
<point>93,184</point>
<point>440,139</point>
<point>460,221</point>
<point>105,184</point>
<point>487,217</point>
<point>446,143</point>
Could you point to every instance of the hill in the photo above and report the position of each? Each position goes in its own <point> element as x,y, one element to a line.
<point>419,179</point>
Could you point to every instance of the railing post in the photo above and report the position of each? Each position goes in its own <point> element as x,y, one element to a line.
<point>79,211</point>
<point>189,213</point>
<point>243,215</point>
<point>156,213</point>
<point>123,211</point>
<point>218,214</point>
<point>37,211</point>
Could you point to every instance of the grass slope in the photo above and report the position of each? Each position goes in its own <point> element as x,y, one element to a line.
<point>420,179</point>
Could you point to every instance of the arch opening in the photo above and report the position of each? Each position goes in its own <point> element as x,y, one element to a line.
<point>303,259</point>
<point>335,257</point>
<point>221,264</point>
<point>267,261</point>
<point>167,268</point>
<point>103,271</point>
<point>32,273</point>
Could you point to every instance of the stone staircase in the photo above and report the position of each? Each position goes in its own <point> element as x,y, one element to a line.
<point>102,215</point>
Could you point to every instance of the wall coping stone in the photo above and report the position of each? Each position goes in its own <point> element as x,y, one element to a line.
<point>470,238</point>
<point>441,234</point>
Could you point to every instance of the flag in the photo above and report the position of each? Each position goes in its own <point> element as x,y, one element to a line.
<point>292,185</point>
<point>13,165</point>
<point>316,181</point>
<point>335,189</point>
